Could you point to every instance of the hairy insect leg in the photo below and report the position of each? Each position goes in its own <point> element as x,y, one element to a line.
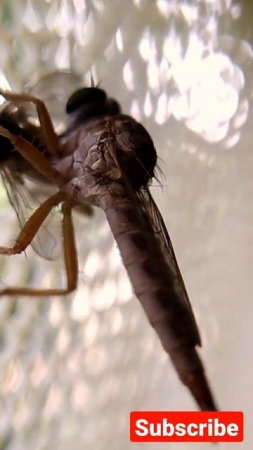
<point>70,254</point>
<point>31,154</point>
<point>49,134</point>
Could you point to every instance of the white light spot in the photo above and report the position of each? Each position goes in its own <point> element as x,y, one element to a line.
<point>179,106</point>
<point>148,109</point>
<point>99,5</point>
<point>81,306</point>
<point>55,314</point>
<point>153,74</point>
<point>232,141</point>
<point>91,329</point>
<point>5,86</point>
<point>81,395</point>
<point>161,112</point>
<point>236,11</point>
<point>164,6</point>
<point>64,23</point>
<point>145,46</point>
<point>135,110</point>
<point>128,76</point>
<point>88,30</point>
<point>93,264</point>
<point>62,57</point>
<point>31,19</point>
<point>115,259</point>
<point>172,48</point>
<point>116,321</point>
<point>190,12</point>
<point>63,340</point>
<point>125,291</point>
<point>208,91</point>
<point>119,40</point>
<point>241,115</point>
<point>79,6</point>
<point>104,296</point>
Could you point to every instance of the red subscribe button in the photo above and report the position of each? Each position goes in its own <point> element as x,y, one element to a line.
<point>191,426</point>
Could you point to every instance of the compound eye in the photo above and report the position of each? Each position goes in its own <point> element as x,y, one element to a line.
<point>84,96</point>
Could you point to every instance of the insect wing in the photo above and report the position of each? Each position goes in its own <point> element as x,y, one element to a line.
<point>154,217</point>
<point>54,90</point>
<point>25,197</point>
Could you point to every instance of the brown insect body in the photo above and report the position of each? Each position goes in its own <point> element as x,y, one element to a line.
<point>106,159</point>
<point>155,278</point>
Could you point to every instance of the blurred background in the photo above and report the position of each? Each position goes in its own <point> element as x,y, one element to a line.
<point>71,369</point>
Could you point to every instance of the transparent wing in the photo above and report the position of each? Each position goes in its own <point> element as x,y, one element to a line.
<point>54,89</point>
<point>154,217</point>
<point>25,197</point>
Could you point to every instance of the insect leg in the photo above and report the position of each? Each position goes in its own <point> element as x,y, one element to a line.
<point>31,154</point>
<point>50,136</point>
<point>31,227</point>
<point>70,254</point>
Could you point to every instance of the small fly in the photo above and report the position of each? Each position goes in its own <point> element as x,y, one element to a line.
<point>106,159</point>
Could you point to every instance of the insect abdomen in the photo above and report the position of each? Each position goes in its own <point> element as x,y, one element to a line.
<point>152,281</point>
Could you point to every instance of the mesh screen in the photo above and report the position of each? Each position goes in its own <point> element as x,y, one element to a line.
<point>71,369</point>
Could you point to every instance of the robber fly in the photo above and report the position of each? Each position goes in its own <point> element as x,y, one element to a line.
<point>106,159</point>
